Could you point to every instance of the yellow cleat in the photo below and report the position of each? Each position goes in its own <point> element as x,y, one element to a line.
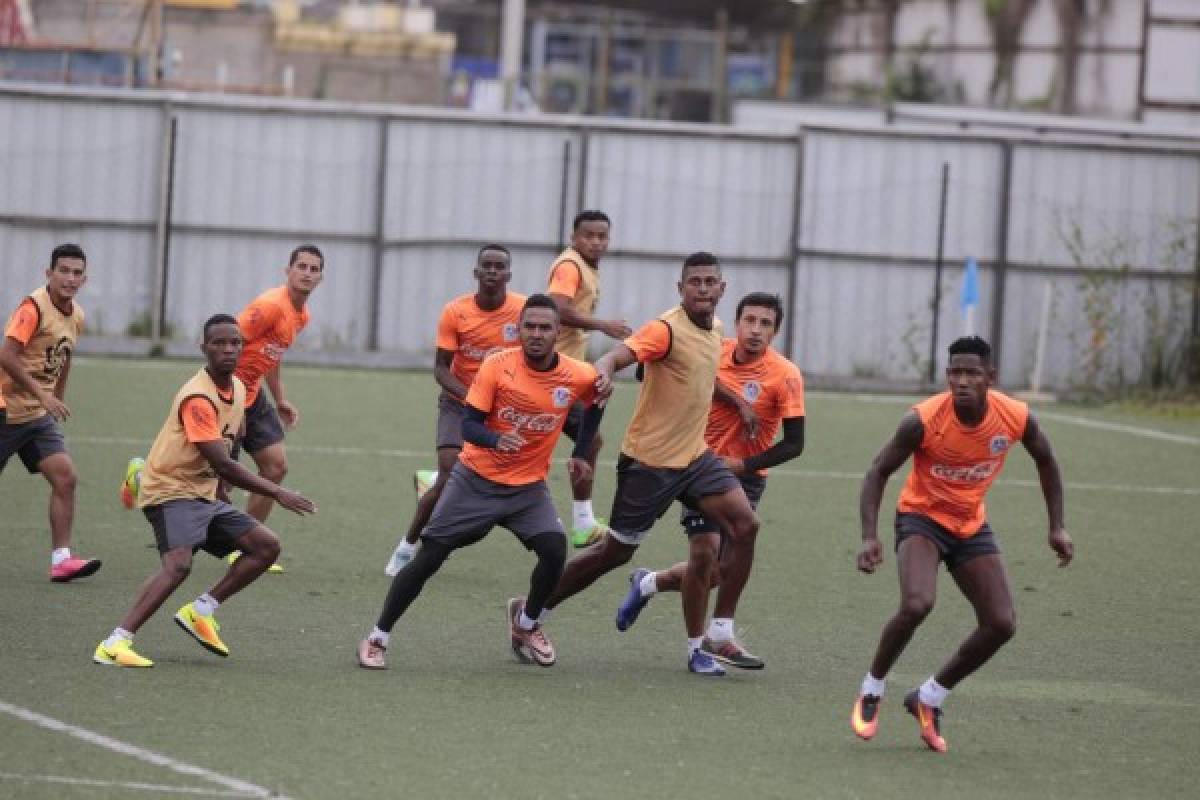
<point>274,569</point>
<point>203,629</point>
<point>585,537</point>
<point>120,654</point>
<point>132,483</point>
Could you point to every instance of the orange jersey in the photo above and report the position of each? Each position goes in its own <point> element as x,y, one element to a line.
<point>473,334</point>
<point>772,385</point>
<point>533,404</point>
<point>954,465</point>
<point>269,325</point>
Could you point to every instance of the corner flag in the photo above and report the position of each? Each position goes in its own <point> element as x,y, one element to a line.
<point>969,297</point>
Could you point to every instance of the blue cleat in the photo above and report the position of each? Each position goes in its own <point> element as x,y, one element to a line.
<point>702,663</point>
<point>634,602</point>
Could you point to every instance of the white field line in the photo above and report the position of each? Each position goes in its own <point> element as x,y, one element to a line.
<point>337,450</point>
<point>245,788</point>
<point>132,785</point>
<point>1117,427</point>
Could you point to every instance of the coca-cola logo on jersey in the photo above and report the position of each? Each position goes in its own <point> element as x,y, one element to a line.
<point>975,473</point>
<point>479,353</point>
<point>535,423</point>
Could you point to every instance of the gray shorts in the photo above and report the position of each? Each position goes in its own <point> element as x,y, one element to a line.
<point>213,527</point>
<point>696,523</point>
<point>471,505</point>
<point>32,441</point>
<point>449,422</point>
<point>263,426</point>
<point>954,550</point>
<point>645,493</point>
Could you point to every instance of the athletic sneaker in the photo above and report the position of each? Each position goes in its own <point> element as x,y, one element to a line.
<point>864,718</point>
<point>930,720</point>
<point>532,647</point>
<point>732,653</point>
<point>73,568</point>
<point>372,654</point>
<point>634,602</point>
<point>585,537</point>
<point>132,483</point>
<point>274,569</point>
<point>120,655</point>
<point>423,480</point>
<point>203,629</point>
<point>400,557</point>
<point>702,663</point>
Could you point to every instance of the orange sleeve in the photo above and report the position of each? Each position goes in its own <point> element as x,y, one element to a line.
<point>200,420</point>
<point>586,392</point>
<point>651,342</point>
<point>257,318</point>
<point>482,393</point>
<point>24,322</point>
<point>447,330</point>
<point>564,279</point>
<point>791,398</point>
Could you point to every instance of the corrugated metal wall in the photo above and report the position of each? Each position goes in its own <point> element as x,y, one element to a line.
<point>401,202</point>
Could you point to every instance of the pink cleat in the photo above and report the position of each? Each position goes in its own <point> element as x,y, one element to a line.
<point>74,568</point>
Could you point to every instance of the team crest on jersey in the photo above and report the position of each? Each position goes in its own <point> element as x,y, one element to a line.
<point>752,391</point>
<point>510,332</point>
<point>999,444</point>
<point>561,397</point>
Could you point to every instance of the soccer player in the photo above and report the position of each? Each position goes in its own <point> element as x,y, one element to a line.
<point>774,388</point>
<point>958,441</point>
<point>35,361</point>
<point>183,499</point>
<point>270,324</point>
<point>472,327</point>
<point>575,287</point>
<point>514,413</point>
<point>664,456</point>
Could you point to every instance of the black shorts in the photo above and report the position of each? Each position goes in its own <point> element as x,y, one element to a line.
<point>695,523</point>
<point>954,550</point>
<point>32,441</point>
<point>211,526</point>
<point>263,427</point>
<point>645,493</point>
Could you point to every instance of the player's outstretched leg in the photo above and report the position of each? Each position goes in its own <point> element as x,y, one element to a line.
<point>405,588</point>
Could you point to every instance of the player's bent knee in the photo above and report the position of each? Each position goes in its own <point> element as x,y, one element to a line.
<point>916,608</point>
<point>1002,626</point>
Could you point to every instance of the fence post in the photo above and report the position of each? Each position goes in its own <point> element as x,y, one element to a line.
<point>1000,270</point>
<point>789,336</point>
<point>937,272</point>
<point>378,245</point>
<point>585,136</point>
<point>162,226</point>
<point>562,193</point>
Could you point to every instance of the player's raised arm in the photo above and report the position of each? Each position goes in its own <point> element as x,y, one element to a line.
<point>232,472</point>
<point>1050,477</point>
<point>903,444</point>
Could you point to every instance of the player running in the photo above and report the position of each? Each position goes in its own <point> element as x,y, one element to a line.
<point>472,327</point>
<point>774,388</point>
<point>664,455</point>
<point>514,413</point>
<point>958,441</point>
<point>182,497</point>
<point>575,287</point>
<point>35,362</point>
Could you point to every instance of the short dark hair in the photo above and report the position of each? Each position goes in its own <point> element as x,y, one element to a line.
<point>540,301</point>
<point>312,250</point>
<point>497,247</point>
<point>700,258</point>
<point>218,319</point>
<point>972,345</point>
<point>762,300</point>
<point>591,215</point>
<point>67,250</point>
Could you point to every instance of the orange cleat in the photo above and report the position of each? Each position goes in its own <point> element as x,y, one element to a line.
<point>930,719</point>
<point>864,719</point>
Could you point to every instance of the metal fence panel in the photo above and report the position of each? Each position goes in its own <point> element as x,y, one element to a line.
<point>678,194</point>
<point>277,172</point>
<point>880,196</point>
<point>1096,208</point>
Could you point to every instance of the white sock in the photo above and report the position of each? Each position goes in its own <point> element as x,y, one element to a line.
<point>118,634</point>
<point>582,514</point>
<point>59,555</point>
<point>649,584</point>
<point>872,686</point>
<point>377,635</point>
<point>694,644</point>
<point>721,629</point>
<point>524,622</point>
<point>406,547</point>
<point>205,605</point>
<point>933,693</point>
